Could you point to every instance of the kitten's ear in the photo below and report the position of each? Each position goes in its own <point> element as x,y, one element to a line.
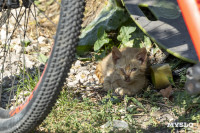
<point>116,54</point>
<point>142,55</point>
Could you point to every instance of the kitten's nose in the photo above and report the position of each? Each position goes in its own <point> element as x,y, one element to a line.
<point>127,78</point>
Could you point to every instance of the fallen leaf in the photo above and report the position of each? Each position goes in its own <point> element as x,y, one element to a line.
<point>167,92</point>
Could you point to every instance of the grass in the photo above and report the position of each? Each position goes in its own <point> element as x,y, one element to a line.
<point>75,114</point>
<point>26,82</point>
<point>83,115</point>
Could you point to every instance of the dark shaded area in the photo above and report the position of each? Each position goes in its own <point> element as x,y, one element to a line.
<point>147,12</point>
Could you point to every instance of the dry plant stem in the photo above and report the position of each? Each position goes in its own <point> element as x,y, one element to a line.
<point>141,114</point>
<point>168,106</point>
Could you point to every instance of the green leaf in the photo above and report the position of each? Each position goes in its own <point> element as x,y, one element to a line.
<point>128,44</point>
<point>111,18</point>
<point>43,58</point>
<point>147,42</point>
<point>132,109</point>
<point>115,100</point>
<point>101,56</point>
<point>155,50</point>
<point>26,43</point>
<point>37,2</point>
<point>83,49</point>
<point>102,39</point>
<point>125,33</point>
<point>137,43</point>
<point>139,104</point>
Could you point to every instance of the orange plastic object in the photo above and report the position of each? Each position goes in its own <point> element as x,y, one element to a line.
<point>198,3</point>
<point>191,13</point>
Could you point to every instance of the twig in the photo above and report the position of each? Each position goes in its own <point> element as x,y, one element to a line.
<point>168,106</point>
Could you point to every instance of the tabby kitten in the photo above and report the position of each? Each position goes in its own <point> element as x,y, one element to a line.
<point>123,70</point>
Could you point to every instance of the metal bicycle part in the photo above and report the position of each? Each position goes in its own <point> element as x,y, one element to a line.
<point>192,84</point>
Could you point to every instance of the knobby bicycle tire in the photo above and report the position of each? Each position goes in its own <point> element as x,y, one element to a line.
<point>39,104</point>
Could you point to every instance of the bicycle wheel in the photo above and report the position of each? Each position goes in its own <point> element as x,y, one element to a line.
<point>31,77</point>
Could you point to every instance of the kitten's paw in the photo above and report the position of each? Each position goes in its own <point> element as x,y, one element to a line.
<point>119,91</point>
<point>107,85</point>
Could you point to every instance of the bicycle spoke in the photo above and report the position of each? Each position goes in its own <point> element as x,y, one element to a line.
<point>36,30</point>
<point>27,26</point>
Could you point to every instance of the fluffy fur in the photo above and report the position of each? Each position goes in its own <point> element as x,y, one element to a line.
<point>123,70</point>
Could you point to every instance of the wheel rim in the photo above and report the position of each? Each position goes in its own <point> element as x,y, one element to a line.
<point>25,33</point>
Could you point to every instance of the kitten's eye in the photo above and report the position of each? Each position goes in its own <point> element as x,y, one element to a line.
<point>134,69</point>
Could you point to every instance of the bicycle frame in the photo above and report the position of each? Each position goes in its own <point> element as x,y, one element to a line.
<point>191,13</point>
